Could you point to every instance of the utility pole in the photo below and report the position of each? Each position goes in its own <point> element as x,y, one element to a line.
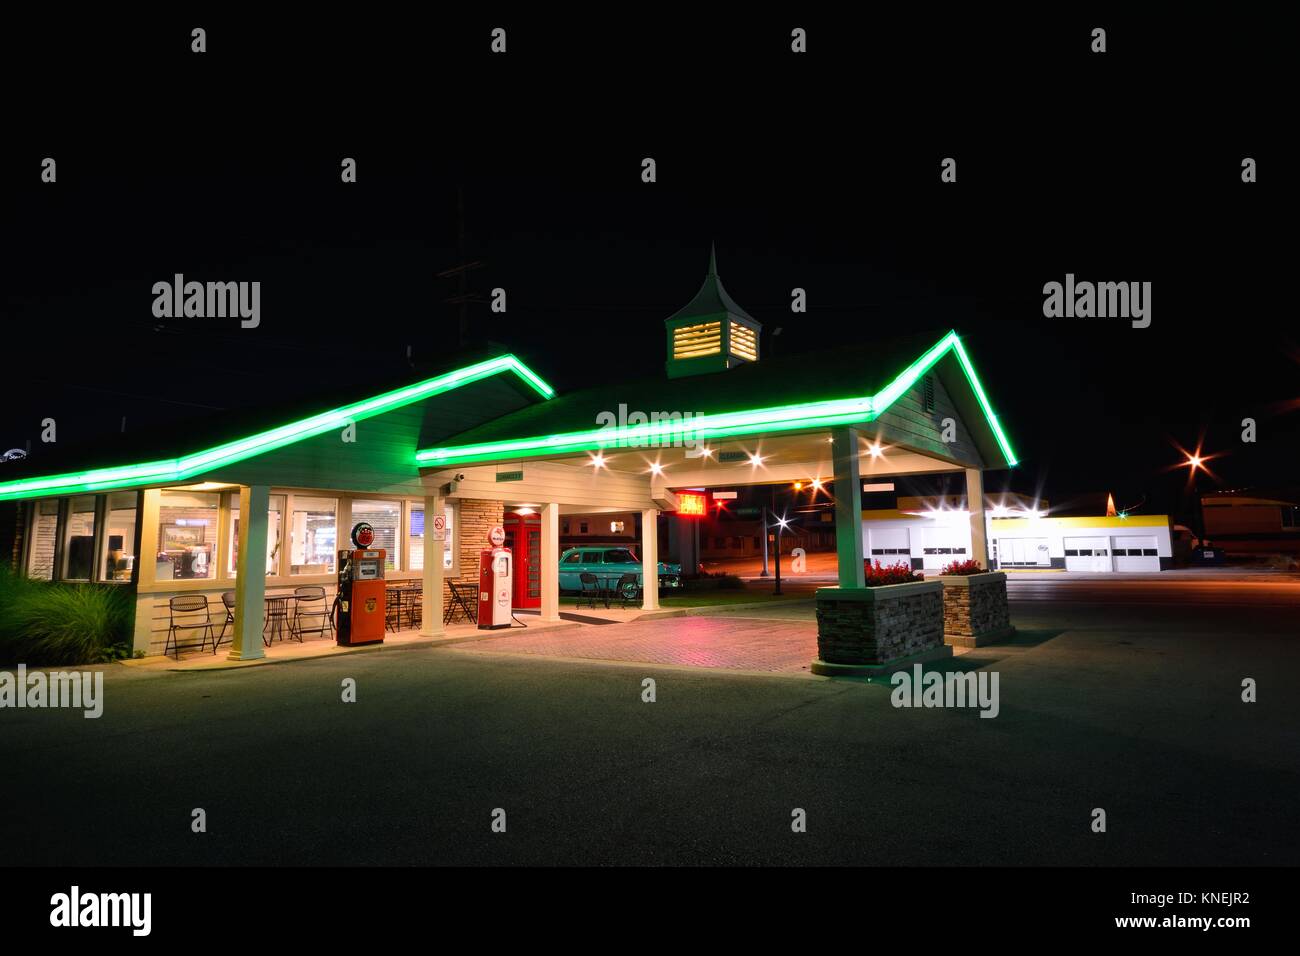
<point>460,271</point>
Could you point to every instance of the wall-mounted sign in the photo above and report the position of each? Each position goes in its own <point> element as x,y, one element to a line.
<point>497,536</point>
<point>510,476</point>
<point>363,534</point>
<point>733,456</point>
<point>440,527</point>
<point>691,504</point>
<point>724,496</point>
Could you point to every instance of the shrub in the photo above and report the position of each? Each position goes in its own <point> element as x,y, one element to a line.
<point>46,624</point>
<point>878,574</point>
<point>970,566</point>
<point>718,580</point>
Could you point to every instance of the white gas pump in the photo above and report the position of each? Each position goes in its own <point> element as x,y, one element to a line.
<point>495,583</point>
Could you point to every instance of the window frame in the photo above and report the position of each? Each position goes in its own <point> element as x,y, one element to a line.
<point>224,578</point>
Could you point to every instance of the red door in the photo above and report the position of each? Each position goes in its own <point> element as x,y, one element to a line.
<point>524,539</point>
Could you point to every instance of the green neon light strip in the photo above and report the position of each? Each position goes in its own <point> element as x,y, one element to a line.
<point>179,469</point>
<point>968,367</point>
<point>780,418</point>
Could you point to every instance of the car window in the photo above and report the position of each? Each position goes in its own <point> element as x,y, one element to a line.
<point>574,558</point>
<point>591,557</point>
<point>619,556</point>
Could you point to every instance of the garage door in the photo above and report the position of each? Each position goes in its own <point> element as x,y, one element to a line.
<point>1136,553</point>
<point>942,546</point>
<point>1087,554</point>
<point>888,545</point>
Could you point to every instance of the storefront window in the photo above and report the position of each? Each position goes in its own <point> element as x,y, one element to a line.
<point>313,535</point>
<point>45,529</point>
<point>386,518</point>
<point>274,525</point>
<point>417,538</point>
<point>119,537</point>
<point>81,539</point>
<point>187,535</point>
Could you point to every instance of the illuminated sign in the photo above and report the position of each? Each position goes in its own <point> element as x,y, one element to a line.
<point>363,534</point>
<point>691,503</point>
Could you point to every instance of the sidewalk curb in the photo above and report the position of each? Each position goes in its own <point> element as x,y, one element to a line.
<point>221,664</point>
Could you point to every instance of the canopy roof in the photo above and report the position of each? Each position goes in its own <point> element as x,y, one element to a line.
<point>849,385</point>
<point>150,458</point>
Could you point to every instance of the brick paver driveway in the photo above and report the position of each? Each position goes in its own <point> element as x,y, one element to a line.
<point>754,644</point>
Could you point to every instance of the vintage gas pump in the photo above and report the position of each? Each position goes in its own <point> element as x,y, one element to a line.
<point>495,587</point>
<point>361,590</point>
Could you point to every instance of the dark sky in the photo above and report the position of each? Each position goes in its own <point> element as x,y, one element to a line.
<point>821,173</point>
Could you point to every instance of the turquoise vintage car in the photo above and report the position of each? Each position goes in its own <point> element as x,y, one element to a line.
<point>607,562</point>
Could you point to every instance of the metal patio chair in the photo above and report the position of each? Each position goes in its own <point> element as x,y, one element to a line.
<point>392,609</point>
<point>311,615</point>
<point>627,590</point>
<point>182,615</point>
<point>590,590</point>
<point>413,605</point>
<point>464,599</point>
<point>228,602</point>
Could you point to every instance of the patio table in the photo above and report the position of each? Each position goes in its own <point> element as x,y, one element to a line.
<point>277,617</point>
<point>408,599</point>
<point>608,584</point>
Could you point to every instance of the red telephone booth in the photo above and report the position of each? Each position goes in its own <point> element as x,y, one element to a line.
<point>524,539</point>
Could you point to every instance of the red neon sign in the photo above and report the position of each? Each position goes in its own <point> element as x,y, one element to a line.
<point>691,504</point>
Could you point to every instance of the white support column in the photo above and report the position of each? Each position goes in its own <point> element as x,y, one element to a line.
<point>250,582</point>
<point>978,526</point>
<point>550,562</point>
<point>848,507</point>
<point>146,548</point>
<point>431,604</point>
<point>649,559</point>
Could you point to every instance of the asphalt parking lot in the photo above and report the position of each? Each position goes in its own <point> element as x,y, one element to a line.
<point>1133,706</point>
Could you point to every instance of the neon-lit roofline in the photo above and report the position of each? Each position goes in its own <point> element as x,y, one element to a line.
<point>189,466</point>
<point>729,424</point>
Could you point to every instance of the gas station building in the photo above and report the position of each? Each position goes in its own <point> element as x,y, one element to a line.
<point>434,465</point>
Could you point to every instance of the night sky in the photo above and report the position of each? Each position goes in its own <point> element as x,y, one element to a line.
<point>820,172</point>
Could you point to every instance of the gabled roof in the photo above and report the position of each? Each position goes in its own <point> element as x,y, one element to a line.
<point>850,385</point>
<point>117,471</point>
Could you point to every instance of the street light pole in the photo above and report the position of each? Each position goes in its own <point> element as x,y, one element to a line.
<point>780,526</point>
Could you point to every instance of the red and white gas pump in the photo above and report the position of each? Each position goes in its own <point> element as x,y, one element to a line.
<point>495,584</point>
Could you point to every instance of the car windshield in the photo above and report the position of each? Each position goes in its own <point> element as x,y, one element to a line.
<point>620,556</point>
